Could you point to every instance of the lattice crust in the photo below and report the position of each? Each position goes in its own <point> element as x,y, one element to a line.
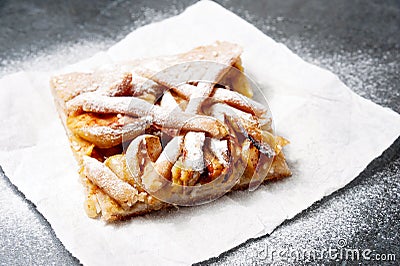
<point>139,103</point>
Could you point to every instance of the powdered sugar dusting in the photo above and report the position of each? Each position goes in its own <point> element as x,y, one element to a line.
<point>103,177</point>
<point>193,157</point>
<point>343,215</point>
<point>363,213</point>
<point>65,52</point>
<point>220,149</point>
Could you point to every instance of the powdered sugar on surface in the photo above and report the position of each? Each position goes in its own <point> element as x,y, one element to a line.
<point>344,214</point>
<point>365,212</point>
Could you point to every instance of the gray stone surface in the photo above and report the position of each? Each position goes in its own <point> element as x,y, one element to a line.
<point>357,40</point>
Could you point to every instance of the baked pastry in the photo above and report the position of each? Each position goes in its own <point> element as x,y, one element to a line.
<point>173,130</point>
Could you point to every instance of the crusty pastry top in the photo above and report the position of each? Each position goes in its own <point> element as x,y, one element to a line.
<point>170,130</point>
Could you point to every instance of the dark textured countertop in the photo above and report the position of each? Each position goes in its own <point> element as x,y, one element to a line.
<point>357,40</point>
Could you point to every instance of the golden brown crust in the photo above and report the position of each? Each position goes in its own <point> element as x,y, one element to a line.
<point>221,53</point>
<point>112,83</point>
<point>91,106</point>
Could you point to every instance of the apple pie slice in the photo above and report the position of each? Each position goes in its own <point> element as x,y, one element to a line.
<point>174,130</point>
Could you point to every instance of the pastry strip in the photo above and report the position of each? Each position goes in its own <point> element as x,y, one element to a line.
<point>105,179</point>
<point>229,97</point>
<point>92,102</point>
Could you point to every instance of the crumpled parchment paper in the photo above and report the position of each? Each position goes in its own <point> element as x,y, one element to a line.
<point>334,134</point>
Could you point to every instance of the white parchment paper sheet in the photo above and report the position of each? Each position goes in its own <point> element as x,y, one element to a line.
<point>334,134</point>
